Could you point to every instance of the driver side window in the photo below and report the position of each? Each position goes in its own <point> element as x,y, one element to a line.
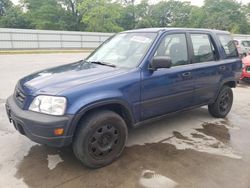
<point>174,46</point>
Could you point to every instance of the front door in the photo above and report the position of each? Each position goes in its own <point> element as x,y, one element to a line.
<point>168,89</point>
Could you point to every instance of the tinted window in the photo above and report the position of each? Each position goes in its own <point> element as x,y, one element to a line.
<point>228,46</point>
<point>203,48</point>
<point>174,46</point>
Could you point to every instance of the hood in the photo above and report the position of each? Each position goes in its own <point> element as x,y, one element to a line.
<point>54,80</point>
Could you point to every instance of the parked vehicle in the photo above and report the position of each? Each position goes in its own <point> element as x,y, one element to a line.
<point>246,69</point>
<point>243,47</point>
<point>134,77</point>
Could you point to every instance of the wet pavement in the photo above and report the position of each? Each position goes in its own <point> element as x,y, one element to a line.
<point>189,149</point>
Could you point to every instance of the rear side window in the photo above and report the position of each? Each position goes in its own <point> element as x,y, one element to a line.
<point>203,48</point>
<point>228,46</point>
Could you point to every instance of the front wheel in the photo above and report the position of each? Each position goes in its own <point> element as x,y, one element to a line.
<point>100,139</point>
<point>223,104</point>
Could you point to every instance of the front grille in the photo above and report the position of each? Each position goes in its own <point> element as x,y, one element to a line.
<point>19,96</point>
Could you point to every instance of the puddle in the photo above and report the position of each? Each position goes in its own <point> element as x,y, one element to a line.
<point>169,164</point>
<point>197,135</point>
<point>218,131</point>
<point>212,138</point>
<point>163,164</point>
<point>13,148</point>
<point>180,136</point>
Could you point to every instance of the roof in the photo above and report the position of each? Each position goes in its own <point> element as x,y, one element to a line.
<point>177,29</point>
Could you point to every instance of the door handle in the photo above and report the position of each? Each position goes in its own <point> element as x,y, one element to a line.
<point>186,74</point>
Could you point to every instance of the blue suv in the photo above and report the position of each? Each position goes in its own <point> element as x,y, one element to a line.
<point>132,78</point>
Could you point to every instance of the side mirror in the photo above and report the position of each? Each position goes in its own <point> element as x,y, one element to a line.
<point>160,62</point>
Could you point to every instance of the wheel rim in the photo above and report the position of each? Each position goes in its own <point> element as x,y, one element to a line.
<point>103,141</point>
<point>225,102</point>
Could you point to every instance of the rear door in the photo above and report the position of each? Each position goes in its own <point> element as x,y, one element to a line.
<point>208,69</point>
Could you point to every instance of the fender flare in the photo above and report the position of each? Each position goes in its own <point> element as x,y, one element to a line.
<point>221,85</point>
<point>90,106</point>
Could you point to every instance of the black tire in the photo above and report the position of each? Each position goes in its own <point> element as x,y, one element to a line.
<point>223,104</point>
<point>100,138</point>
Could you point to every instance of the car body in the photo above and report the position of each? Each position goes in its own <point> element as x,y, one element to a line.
<point>243,46</point>
<point>164,70</point>
<point>246,69</point>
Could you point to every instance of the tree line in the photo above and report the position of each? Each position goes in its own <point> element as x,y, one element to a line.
<point>119,15</point>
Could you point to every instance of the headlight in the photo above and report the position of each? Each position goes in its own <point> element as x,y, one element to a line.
<point>49,105</point>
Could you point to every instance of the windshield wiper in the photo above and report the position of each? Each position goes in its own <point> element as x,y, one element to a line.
<point>103,63</point>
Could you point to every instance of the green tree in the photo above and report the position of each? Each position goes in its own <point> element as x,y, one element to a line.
<point>15,18</point>
<point>171,13</point>
<point>197,17</point>
<point>225,15</point>
<point>127,18</point>
<point>47,14</point>
<point>143,15</point>
<point>73,15</point>
<point>101,15</point>
<point>246,12</point>
<point>114,16</point>
<point>4,6</point>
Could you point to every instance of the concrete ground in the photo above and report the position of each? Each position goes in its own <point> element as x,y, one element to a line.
<point>190,149</point>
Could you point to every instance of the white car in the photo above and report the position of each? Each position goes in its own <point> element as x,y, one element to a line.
<point>243,46</point>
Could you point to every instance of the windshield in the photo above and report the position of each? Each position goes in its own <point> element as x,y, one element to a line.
<point>124,49</point>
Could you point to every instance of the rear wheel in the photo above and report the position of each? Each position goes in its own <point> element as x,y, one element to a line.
<point>223,103</point>
<point>100,139</point>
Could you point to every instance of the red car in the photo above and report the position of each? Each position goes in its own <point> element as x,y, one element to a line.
<point>246,69</point>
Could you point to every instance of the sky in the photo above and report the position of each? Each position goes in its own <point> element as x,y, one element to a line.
<point>193,2</point>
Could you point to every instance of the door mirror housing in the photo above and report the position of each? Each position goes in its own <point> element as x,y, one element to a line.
<point>160,62</point>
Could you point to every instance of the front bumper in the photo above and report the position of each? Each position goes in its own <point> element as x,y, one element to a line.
<point>39,127</point>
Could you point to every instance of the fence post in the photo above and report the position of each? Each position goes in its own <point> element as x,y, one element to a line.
<point>11,41</point>
<point>38,40</point>
<point>61,42</point>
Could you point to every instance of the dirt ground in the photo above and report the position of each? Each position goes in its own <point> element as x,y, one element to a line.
<point>189,149</point>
